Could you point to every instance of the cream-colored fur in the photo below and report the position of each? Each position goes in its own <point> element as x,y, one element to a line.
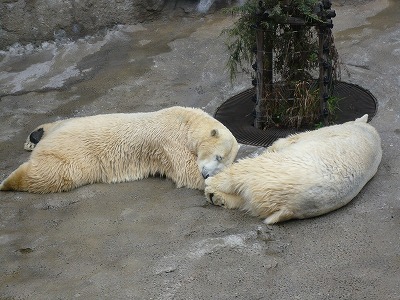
<point>29,145</point>
<point>301,176</point>
<point>184,144</point>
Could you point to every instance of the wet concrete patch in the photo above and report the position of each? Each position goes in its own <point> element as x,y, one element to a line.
<point>147,239</point>
<point>383,19</point>
<point>91,66</point>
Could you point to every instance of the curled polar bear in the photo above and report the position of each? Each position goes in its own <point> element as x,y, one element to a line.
<point>183,144</point>
<point>303,175</point>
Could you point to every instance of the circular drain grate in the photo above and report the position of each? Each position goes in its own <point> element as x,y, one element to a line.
<point>236,114</point>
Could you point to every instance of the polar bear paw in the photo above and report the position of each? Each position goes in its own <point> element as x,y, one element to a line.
<point>29,146</point>
<point>33,139</point>
<point>213,198</point>
<point>229,201</point>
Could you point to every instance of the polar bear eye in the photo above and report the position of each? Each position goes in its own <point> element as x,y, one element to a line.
<point>218,157</point>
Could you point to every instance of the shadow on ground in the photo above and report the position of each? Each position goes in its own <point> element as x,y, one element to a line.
<point>149,240</point>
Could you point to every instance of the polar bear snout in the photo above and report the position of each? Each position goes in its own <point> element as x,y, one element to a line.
<point>210,169</point>
<point>211,164</point>
<point>205,174</point>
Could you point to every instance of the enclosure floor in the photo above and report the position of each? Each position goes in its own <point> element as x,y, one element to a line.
<point>236,113</point>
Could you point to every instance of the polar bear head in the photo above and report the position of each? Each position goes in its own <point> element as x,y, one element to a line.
<point>216,152</point>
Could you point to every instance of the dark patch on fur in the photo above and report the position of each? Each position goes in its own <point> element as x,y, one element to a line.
<point>211,197</point>
<point>36,135</point>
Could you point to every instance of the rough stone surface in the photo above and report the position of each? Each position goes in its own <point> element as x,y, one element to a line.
<point>149,240</point>
<point>24,21</point>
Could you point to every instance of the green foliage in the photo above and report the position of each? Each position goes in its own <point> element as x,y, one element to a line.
<point>293,106</point>
<point>241,37</point>
<point>333,105</point>
<point>290,49</point>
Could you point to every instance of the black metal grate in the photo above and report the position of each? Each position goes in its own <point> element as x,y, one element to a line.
<point>236,113</point>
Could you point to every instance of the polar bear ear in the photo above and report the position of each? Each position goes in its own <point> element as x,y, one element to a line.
<point>214,132</point>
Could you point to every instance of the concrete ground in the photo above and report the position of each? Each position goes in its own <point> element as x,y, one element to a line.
<point>149,240</point>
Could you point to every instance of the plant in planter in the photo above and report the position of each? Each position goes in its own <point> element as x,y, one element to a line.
<point>296,63</point>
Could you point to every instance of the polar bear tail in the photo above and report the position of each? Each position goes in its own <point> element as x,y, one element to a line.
<point>364,119</point>
<point>17,180</point>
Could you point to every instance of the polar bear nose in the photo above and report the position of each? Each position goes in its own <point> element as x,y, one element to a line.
<point>205,173</point>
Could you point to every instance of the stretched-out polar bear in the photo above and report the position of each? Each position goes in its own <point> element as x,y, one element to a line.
<point>183,144</point>
<point>303,175</point>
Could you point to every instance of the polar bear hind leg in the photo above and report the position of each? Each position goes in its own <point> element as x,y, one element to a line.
<point>38,134</point>
<point>17,179</point>
<point>279,216</point>
<point>54,176</point>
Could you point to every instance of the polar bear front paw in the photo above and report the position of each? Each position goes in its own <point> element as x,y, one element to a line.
<point>214,199</point>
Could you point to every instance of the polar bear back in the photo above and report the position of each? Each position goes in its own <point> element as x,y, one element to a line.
<point>183,144</point>
<point>319,170</point>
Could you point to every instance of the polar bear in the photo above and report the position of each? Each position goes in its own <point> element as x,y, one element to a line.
<point>303,175</point>
<point>184,144</point>
<point>39,133</point>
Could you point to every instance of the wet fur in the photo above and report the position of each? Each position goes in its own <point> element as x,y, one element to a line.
<point>179,143</point>
<point>301,176</point>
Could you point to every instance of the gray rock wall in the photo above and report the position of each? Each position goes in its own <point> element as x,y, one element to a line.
<point>35,21</point>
